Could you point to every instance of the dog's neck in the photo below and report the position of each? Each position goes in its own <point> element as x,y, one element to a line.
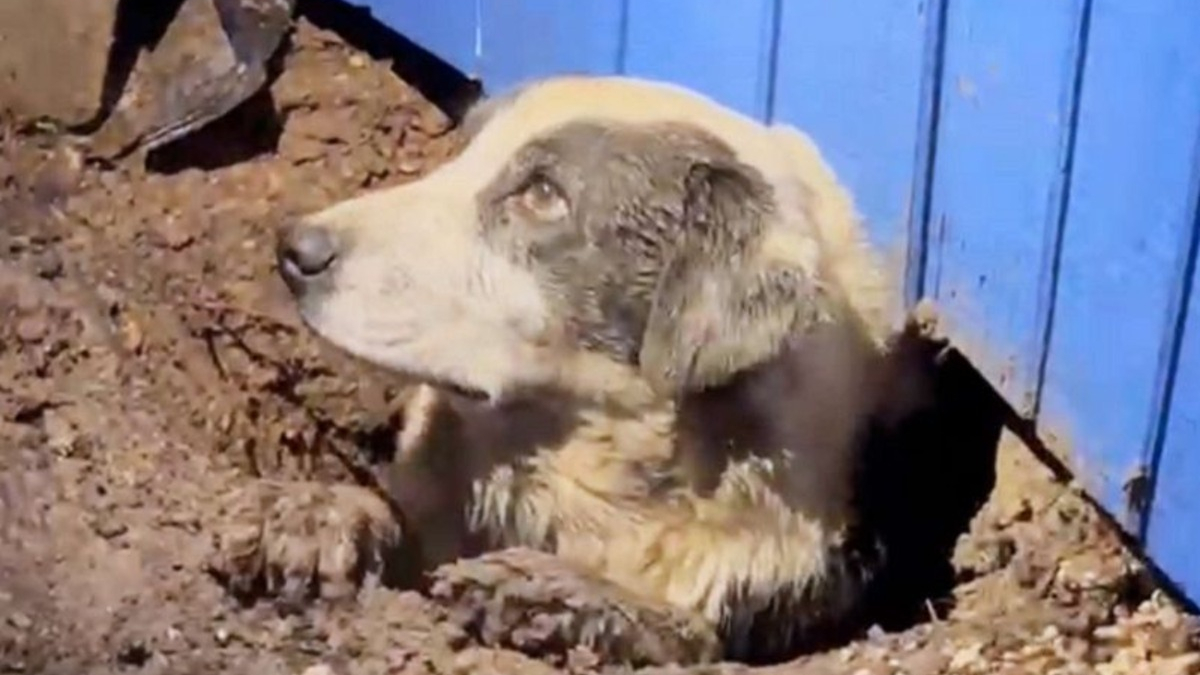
<point>783,421</point>
<point>799,417</point>
<point>719,426</point>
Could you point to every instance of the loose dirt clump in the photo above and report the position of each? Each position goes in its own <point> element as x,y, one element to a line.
<point>150,361</point>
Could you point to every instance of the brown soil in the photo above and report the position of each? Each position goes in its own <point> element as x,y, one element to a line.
<point>149,362</point>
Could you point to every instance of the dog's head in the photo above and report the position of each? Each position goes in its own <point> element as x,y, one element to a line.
<point>594,232</point>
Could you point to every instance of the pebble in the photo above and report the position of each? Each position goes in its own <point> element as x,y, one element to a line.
<point>132,336</point>
<point>108,527</point>
<point>174,234</point>
<point>1186,664</point>
<point>968,656</point>
<point>20,621</point>
<point>33,328</point>
<point>48,265</point>
<point>924,662</point>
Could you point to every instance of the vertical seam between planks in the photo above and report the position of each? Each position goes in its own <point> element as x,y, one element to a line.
<point>1169,356</point>
<point>623,38</point>
<point>771,67</point>
<point>1047,301</point>
<point>921,198</point>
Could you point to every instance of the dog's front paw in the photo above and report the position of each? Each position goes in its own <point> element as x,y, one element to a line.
<point>295,541</point>
<point>544,606</point>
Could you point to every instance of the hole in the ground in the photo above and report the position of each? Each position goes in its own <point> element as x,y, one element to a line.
<point>924,479</point>
<point>925,482</point>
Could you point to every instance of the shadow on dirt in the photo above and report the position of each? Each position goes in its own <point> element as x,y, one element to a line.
<point>251,129</point>
<point>254,127</point>
<point>438,81</point>
<point>139,26</point>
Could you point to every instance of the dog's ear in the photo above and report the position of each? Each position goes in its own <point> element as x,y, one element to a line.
<point>734,291</point>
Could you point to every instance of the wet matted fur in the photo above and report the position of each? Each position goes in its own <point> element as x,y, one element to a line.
<point>658,337</point>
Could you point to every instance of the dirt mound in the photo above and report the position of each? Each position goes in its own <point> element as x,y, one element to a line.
<point>149,361</point>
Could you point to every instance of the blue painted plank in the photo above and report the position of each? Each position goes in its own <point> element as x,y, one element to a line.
<point>1174,523</point>
<point>524,39</point>
<point>1129,213</point>
<point>446,29</point>
<point>849,74</point>
<point>1007,97</point>
<point>1173,526</point>
<point>722,50</point>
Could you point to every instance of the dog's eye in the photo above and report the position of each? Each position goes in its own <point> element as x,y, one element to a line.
<point>542,199</point>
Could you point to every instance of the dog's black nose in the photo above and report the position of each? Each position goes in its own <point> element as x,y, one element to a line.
<point>304,252</point>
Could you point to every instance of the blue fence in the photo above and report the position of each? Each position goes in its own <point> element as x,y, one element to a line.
<point>1034,162</point>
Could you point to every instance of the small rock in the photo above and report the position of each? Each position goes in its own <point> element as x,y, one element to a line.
<point>357,61</point>
<point>33,328</point>
<point>48,265</point>
<point>222,636</point>
<point>967,657</point>
<point>1187,664</point>
<point>1025,571</point>
<point>430,122</point>
<point>318,669</point>
<point>132,336</point>
<point>465,662</point>
<point>409,165</point>
<point>109,527</point>
<point>924,662</point>
<point>59,176</point>
<point>580,659</point>
<point>20,621</point>
<point>173,233</point>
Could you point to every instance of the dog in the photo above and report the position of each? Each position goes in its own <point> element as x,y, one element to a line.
<point>653,336</point>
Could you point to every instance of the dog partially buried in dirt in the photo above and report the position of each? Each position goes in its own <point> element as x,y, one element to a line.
<point>659,339</point>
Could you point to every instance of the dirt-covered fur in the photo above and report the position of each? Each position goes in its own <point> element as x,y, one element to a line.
<point>662,336</point>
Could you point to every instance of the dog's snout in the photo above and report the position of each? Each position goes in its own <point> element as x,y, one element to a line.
<point>305,252</point>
